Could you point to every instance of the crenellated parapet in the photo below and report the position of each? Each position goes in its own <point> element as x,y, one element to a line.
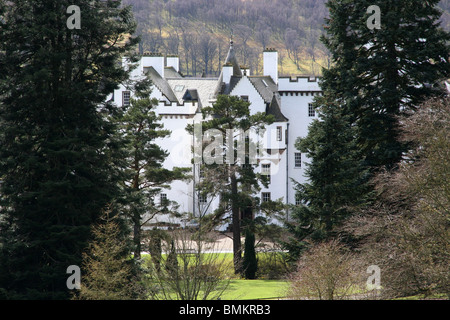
<point>185,108</point>
<point>298,84</point>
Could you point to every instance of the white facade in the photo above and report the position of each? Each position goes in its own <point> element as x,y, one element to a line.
<point>180,102</point>
<point>270,64</point>
<point>296,97</point>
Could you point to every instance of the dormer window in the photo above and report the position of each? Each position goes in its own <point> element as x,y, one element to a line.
<point>179,88</point>
<point>191,95</point>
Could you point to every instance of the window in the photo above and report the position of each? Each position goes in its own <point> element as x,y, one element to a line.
<point>202,198</point>
<point>201,172</point>
<point>265,196</point>
<point>265,170</point>
<point>298,202</point>
<point>163,199</point>
<point>279,133</point>
<point>311,110</point>
<point>244,98</point>
<point>297,160</point>
<point>179,88</point>
<point>125,98</point>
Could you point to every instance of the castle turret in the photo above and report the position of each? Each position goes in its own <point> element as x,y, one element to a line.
<point>231,60</point>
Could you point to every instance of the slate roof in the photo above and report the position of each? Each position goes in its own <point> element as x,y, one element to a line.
<point>274,109</point>
<point>237,72</point>
<point>170,72</point>
<point>178,89</point>
<point>231,59</point>
<point>265,87</point>
<point>205,88</point>
<point>227,88</point>
<point>161,84</point>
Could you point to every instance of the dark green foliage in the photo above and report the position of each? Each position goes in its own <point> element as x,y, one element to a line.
<point>58,156</point>
<point>172,260</point>
<point>382,73</point>
<point>155,248</point>
<point>338,182</point>
<point>377,75</point>
<point>236,182</point>
<point>145,176</point>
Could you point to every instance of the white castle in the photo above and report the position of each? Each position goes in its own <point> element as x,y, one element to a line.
<point>181,99</point>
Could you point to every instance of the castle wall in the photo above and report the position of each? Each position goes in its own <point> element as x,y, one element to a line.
<point>295,94</point>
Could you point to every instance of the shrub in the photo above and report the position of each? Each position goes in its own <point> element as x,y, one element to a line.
<point>326,272</point>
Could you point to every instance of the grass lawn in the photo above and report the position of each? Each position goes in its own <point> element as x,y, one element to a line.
<point>255,289</point>
<point>435,296</point>
<point>242,289</point>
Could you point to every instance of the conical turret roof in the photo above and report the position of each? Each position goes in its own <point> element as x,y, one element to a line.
<point>231,59</point>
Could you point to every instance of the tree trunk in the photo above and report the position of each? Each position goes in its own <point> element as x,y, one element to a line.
<point>237,250</point>
<point>136,217</point>
<point>137,234</point>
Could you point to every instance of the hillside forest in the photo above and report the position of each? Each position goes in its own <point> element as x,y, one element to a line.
<point>199,31</point>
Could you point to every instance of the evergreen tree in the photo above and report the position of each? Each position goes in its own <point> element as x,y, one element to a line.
<point>337,181</point>
<point>58,155</point>
<point>377,75</point>
<point>172,260</point>
<point>139,128</point>
<point>234,179</point>
<point>383,73</point>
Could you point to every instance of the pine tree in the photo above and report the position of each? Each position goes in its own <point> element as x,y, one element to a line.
<point>337,181</point>
<point>139,128</point>
<point>235,178</point>
<point>58,157</point>
<point>383,73</point>
<point>377,75</point>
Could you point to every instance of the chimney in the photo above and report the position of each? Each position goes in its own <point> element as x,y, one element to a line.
<point>227,72</point>
<point>173,61</point>
<point>270,57</point>
<point>155,60</point>
<point>245,70</point>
